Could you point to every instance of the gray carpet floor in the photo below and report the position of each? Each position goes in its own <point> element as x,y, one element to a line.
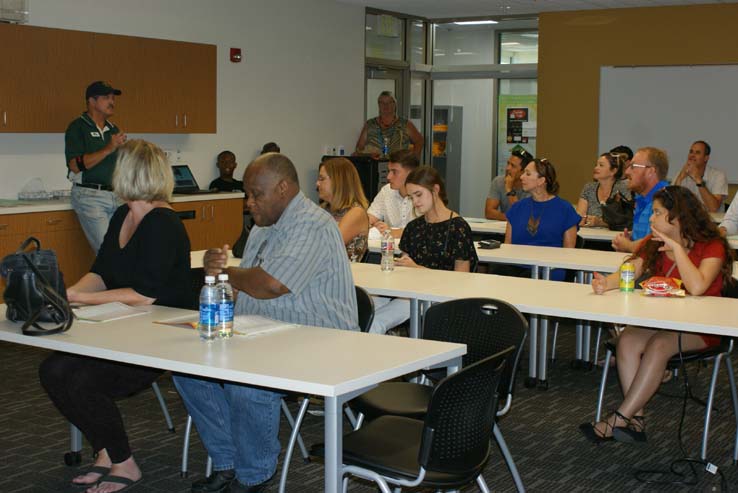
<point>541,431</point>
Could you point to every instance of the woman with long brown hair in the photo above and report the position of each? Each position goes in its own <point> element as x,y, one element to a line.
<point>339,188</point>
<point>684,244</point>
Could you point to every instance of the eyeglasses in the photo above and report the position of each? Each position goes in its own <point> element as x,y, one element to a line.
<point>637,165</point>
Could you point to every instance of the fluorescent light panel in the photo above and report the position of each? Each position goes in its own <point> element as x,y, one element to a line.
<point>474,23</point>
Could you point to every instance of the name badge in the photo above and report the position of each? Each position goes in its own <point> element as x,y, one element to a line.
<point>95,134</point>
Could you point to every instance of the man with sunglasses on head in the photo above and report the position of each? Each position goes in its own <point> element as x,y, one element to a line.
<point>506,189</point>
<point>646,176</point>
<point>709,184</point>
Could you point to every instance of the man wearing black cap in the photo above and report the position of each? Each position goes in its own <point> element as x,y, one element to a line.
<point>91,144</point>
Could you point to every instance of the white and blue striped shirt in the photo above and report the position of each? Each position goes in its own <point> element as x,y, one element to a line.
<point>304,251</point>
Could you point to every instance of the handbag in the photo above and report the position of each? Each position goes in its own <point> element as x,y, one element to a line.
<point>617,212</point>
<point>34,290</point>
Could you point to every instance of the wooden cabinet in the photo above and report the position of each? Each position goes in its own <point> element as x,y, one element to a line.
<point>57,230</point>
<point>168,86</point>
<point>211,223</point>
<point>43,86</point>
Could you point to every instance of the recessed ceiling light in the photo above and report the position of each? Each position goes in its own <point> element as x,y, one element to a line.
<point>474,23</point>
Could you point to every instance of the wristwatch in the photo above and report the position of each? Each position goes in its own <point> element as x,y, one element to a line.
<point>511,193</point>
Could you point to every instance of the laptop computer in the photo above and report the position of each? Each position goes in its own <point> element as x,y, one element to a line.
<point>184,181</point>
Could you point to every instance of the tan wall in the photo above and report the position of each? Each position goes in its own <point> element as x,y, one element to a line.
<point>574,45</point>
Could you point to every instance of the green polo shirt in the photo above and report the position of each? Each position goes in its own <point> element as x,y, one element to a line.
<point>83,137</point>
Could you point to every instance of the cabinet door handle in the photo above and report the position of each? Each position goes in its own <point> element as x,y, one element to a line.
<point>176,120</point>
<point>184,117</point>
<point>53,222</point>
<point>212,212</point>
<point>5,118</point>
<point>203,211</point>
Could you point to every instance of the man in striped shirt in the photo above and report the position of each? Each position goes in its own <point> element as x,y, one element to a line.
<point>294,269</point>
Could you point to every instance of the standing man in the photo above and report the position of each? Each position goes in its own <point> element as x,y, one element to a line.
<point>507,189</point>
<point>709,184</point>
<point>646,176</point>
<point>91,144</point>
<point>392,207</point>
<point>294,269</point>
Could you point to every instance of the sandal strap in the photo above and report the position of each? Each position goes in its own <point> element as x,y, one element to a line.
<point>619,415</point>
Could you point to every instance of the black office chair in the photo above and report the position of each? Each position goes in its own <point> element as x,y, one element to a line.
<point>486,326</point>
<point>365,307</point>
<point>447,449</point>
<point>717,354</point>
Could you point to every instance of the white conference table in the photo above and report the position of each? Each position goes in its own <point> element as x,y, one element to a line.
<point>335,364</point>
<point>709,315</point>
<point>491,226</point>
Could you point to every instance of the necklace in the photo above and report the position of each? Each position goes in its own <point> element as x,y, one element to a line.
<point>533,221</point>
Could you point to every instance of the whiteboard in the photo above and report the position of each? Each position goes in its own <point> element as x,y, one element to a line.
<point>670,107</point>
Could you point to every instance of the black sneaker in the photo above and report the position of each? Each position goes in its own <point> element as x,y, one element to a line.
<point>218,482</point>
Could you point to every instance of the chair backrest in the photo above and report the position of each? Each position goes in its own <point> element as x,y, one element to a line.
<point>366,309</point>
<point>487,326</point>
<point>457,432</point>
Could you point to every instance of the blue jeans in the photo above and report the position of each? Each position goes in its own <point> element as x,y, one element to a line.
<point>238,424</point>
<point>94,209</point>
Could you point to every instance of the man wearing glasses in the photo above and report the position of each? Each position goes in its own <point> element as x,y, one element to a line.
<point>506,189</point>
<point>294,269</point>
<point>646,176</point>
<point>709,184</point>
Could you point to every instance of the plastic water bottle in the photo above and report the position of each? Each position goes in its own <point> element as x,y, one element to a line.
<point>208,326</point>
<point>225,306</point>
<point>385,147</point>
<point>388,251</point>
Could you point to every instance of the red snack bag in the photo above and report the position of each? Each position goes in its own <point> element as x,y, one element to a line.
<point>663,286</point>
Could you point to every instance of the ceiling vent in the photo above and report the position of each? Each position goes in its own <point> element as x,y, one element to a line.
<point>14,11</point>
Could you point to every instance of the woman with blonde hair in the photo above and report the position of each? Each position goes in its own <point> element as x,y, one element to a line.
<point>144,259</point>
<point>339,188</point>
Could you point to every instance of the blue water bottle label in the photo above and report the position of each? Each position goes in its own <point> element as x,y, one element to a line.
<point>208,314</point>
<point>226,311</point>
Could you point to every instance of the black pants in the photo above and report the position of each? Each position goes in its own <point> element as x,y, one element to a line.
<point>84,390</point>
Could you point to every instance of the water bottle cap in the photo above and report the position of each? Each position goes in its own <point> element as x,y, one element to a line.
<point>209,279</point>
<point>222,277</point>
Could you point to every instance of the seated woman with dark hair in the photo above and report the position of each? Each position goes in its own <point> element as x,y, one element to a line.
<point>685,244</point>
<point>339,188</point>
<point>438,239</point>
<point>543,219</point>
<point>144,260</point>
<point>608,183</point>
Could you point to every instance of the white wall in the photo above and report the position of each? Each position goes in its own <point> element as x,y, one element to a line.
<point>301,83</point>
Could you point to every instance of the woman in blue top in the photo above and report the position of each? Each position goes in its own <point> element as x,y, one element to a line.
<point>543,219</point>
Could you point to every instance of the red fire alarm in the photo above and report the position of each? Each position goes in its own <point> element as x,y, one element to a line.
<point>235,55</point>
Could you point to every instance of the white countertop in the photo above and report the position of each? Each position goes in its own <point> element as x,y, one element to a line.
<point>29,206</point>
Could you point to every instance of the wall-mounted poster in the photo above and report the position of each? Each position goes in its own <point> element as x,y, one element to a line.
<point>516,126</point>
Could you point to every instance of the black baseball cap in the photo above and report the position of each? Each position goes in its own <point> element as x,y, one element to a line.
<point>100,88</point>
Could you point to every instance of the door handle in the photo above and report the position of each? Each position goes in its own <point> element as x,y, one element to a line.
<point>53,222</point>
<point>176,120</point>
<point>184,117</point>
